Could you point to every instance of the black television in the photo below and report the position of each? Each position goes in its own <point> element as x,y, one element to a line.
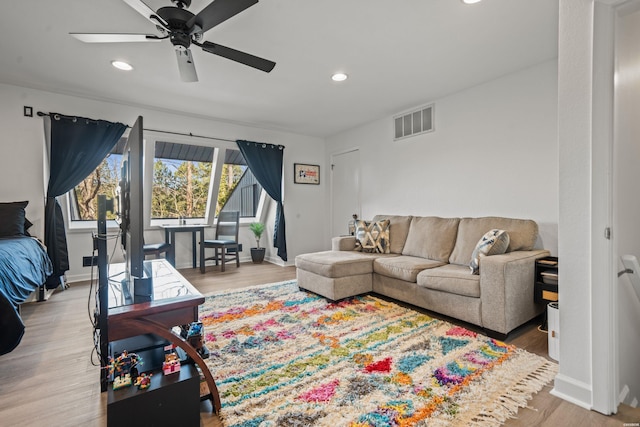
<point>137,282</point>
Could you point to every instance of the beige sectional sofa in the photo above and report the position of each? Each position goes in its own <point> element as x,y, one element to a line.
<point>428,266</point>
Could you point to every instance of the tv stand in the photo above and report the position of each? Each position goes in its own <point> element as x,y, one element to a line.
<point>174,303</point>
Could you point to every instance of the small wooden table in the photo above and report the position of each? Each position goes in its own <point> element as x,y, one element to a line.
<point>174,303</point>
<point>170,237</point>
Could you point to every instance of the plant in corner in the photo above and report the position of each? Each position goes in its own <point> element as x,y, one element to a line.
<point>257,253</point>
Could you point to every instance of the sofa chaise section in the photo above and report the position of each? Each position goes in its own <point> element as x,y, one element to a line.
<point>336,274</point>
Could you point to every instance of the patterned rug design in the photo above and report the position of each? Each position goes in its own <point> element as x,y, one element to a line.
<point>284,357</point>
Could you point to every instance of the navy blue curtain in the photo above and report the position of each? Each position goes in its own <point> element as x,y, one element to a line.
<point>265,162</point>
<point>78,146</point>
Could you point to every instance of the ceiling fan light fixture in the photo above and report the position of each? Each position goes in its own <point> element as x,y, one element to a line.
<point>183,29</point>
<point>339,77</point>
<point>471,1</point>
<point>121,65</point>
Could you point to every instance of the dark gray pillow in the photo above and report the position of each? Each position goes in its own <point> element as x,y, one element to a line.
<point>12,219</point>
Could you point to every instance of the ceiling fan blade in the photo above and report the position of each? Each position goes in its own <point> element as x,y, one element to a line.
<point>241,57</point>
<point>217,12</point>
<point>185,65</point>
<point>114,38</point>
<point>146,11</point>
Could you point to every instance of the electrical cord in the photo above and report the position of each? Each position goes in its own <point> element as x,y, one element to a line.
<point>93,317</point>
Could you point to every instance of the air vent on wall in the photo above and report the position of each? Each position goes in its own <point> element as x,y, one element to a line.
<point>413,123</point>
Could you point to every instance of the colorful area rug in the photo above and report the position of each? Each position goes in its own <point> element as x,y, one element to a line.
<point>285,357</point>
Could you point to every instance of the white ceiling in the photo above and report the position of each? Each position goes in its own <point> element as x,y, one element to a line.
<point>398,53</point>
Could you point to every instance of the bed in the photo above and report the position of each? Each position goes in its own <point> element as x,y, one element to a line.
<point>24,267</point>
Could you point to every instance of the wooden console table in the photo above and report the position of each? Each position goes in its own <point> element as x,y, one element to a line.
<point>175,303</point>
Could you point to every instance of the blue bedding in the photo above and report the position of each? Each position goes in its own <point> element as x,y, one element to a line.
<point>24,266</point>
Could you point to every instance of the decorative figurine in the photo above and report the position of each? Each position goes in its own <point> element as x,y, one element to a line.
<point>123,367</point>
<point>122,381</point>
<point>194,336</point>
<point>171,364</point>
<point>143,381</point>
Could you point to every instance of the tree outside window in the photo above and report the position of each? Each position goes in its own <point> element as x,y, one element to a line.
<point>103,180</point>
<point>180,188</point>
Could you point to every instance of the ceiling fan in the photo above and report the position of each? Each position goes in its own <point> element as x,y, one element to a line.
<point>183,28</point>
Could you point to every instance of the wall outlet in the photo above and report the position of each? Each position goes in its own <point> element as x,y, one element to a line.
<point>88,261</point>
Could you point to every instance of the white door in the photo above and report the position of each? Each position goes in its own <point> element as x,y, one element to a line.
<point>626,204</point>
<point>345,190</point>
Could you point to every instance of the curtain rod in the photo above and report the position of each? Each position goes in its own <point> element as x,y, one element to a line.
<point>41,114</point>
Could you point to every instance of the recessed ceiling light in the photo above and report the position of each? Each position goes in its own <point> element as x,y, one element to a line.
<point>470,1</point>
<point>121,65</point>
<point>339,77</point>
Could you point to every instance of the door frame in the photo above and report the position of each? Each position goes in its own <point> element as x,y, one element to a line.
<point>331,191</point>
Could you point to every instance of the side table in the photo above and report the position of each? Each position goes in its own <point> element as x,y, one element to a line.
<point>170,237</point>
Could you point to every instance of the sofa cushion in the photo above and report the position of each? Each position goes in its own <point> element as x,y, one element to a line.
<point>451,278</point>
<point>372,236</point>
<point>432,237</point>
<point>336,264</point>
<point>403,267</point>
<point>522,235</point>
<point>494,242</point>
<point>398,230</point>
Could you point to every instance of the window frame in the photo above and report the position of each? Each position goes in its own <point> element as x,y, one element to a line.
<point>150,139</point>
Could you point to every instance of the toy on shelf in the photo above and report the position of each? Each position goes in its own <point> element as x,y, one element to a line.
<point>171,362</point>
<point>122,381</point>
<point>194,336</point>
<point>123,368</point>
<point>143,381</point>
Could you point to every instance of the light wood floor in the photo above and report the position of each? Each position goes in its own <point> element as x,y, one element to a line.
<point>50,379</point>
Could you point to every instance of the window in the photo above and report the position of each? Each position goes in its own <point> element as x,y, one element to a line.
<point>104,180</point>
<point>181,180</point>
<point>181,183</point>
<point>239,189</point>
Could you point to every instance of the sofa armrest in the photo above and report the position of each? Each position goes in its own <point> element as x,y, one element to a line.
<point>507,289</point>
<point>343,243</point>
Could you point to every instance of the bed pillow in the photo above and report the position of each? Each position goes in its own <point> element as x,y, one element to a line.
<point>494,242</point>
<point>12,219</point>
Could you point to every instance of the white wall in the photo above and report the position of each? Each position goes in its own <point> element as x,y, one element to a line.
<point>493,152</point>
<point>575,91</point>
<point>21,167</point>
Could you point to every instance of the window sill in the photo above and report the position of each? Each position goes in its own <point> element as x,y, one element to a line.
<point>84,226</point>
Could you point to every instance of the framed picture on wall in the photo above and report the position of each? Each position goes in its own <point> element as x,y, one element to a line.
<point>306,174</point>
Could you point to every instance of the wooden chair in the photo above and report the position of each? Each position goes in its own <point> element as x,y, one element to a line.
<point>226,241</point>
<point>157,249</point>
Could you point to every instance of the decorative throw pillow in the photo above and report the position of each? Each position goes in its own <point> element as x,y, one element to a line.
<point>494,242</point>
<point>373,236</point>
<point>12,219</point>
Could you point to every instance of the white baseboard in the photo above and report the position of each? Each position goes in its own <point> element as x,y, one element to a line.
<point>75,278</point>
<point>573,391</point>
<point>243,259</point>
<point>278,261</point>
